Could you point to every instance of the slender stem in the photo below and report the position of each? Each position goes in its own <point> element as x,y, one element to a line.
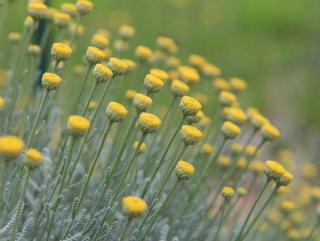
<point>94,87</point>
<point>74,33</point>
<point>312,231</point>
<point>220,221</point>
<point>126,228</point>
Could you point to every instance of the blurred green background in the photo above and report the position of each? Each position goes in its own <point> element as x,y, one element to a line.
<point>272,44</point>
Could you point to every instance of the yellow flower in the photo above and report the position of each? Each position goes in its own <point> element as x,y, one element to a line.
<point>227,193</point>
<point>205,122</point>
<point>242,191</point>
<point>287,206</point>
<point>250,150</point>
<point>141,102</point>
<point>309,170</point>
<point>11,146</point>
<point>210,70</point>
<point>196,60</point>
<point>130,94</point>
<point>61,19</point>
<point>61,51</point>
<point>37,10</point>
<point>152,83</point>
<point>2,103</point>
<point>193,119</point>
<point>69,8</point>
<point>77,29</point>
<point>126,32</point>
<point>51,81</point>
<point>226,98</point>
<point>102,73</point>
<point>116,112</point>
<point>189,105</point>
<point>149,122</point>
<point>131,65</point>
<point>237,84</point>
<point>143,53</point>
<point>99,41</point>
<point>84,6</point>
<point>221,84</point>
<point>142,147</point>
<point>188,74</point>
<point>270,132</point>
<point>230,130</point>
<point>14,37</point>
<point>234,114</point>
<point>133,206</point>
<point>285,179</point>
<point>94,55</point>
<point>236,148</point>
<point>161,74</point>
<point>78,125</point>
<point>33,158</point>
<point>29,23</point>
<point>117,66</point>
<point>274,170</point>
<point>120,45</point>
<point>34,49</point>
<point>166,44</point>
<point>190,135</point>
<point>258,120</point>
<point>256,166</point>
<point>241,163</point>
<point>173,62</point>
<point>179,88</point>
<point>207,149</point>
<point>224,161</point>
<point>92,105</point>
<point>184,170</point>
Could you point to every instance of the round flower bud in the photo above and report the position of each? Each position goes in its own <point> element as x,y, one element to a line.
<point>196,61</point>
<point>84,6</point>
<point>221,84</point>
<point>117,66</point>
<point>210,70</point>
<point>285,179</point>
<point>126,32</point>
<point>250,150</point>
<point>166,44</point>
<point>194,119</point>
<point>99,41</point>
<point>152,83</point>
<point>51,81</point>
<point>14,37</point>
<point>258,120</point>
<point>61,51</point>
<point>190,135</point>
<point>184,170</point>
<point>236,148</point>
<point>234,114</point>
<point>102,73</point>
<point>287,206</point>
<point>116,112</point>
<point>94,55</point>
<point>78,30</point>
<point>37,10</point>
<point>130,94</point>
<point>142,147</point>
<point>29,23</point>
<point>179,88</point>
<point>269,132</point>
<point>2,103</point>
<point>242,191</point>
<point>227,193</point>
<point>141,102</point>
<point>11,147</point>
<point>148,122</point>
<point>224,161</point>
<point>161,74</point>
<point>78,125</point>
<point>173,62</point>
<point>241,163</point>
<point>205,122</point>
<point>61,19</point>
<point>189,105</point>
<point>34,49</point>
<point>33,158</point>
<point>188,75</point>
<point>237,84</point>
<point>230,130</point>
<point>256,166</point>
<point>69,8</point>
<point>92,105</point>
<point>131,65</point>
<point>133,206</point>
<point>207,149</point>
<point>120,45</point>
<point>226,98</point>
<point>143,53</point>
<point>273,170</point>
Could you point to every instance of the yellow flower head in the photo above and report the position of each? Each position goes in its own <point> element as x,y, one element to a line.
<point>205,122</point>
<point>61,51</point>
<point>226,98</point>
<point>179,88</point>
<point>37,10</point>
<point>184,170</point>
<point>126,32</point>
<point>142,147</point>
<point>84,6</point>
<point>161,74</point>
<point>94,55</point>
<point>166,44</point>
<point>116,112</point>
<point>256,166</point>
<point>242,191</point>
<point>230,130</point>
<point>51,81</point>
<point>102,73</point>
<point>274,170</point>
<point>237,84</point>
<point>69,8</point>
<point>108,53</point>
<point>143,53</point>
<point>33,158</point>
<point>227,193</point>
<point>11,147</point>
<point>250,150</point>
<point>190,135</point>
<point>133,206</point>
<point>173,62</point>
<point>131,65</point>
<point>61,19</point>
<point>117,66</point>
<point>14,37</point>
<point>236,148</point>
<point>210,70</point>
<point>130,94</point>
<point>78,30</point>
<point>270,132</point>
<point>2,103</point>
<point>78,125</point>
<point>224,161</point>
<point>207,149</point>
<point>285,178</point>
<point>99,41</point>
<point>197,61</point>
<point>221,84</point>
<point>189,105</point>
<point>287,206</point>
<point>193,119</point>
<point>241,163</point>
<point>234,114</point>
<point>258,120</point>
<point>149,122</point>
<point>141,102</point>
<point>309,170</point>
<point>29,23</point>
<point>120,45</point>
<point>152,83</point>
<point>34,49</point>
<point>188,75</point>
<point>92,105</point>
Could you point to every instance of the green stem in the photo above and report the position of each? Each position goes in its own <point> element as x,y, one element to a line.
<point>220,221</point>
<point>94,87</point>
<point>74,33</point>
<point>312,231</point>
<point>126,228</point>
